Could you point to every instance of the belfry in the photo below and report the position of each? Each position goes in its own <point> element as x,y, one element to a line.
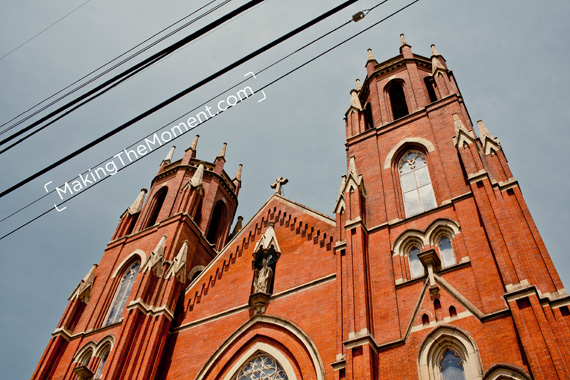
<point>431,267</point>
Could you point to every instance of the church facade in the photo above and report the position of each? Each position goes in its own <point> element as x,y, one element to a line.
<point>431,268</point>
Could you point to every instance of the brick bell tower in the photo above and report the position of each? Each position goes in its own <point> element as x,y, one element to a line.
<point>442,273</point>
<point>128,301</point>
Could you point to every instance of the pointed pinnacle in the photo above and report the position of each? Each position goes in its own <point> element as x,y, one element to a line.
<point>483,131</point>
<point>198,176</point>
<point>238,173</point>
<point>354,101</point>
<point>222,153</point>
<point>358,85</point>
<point>434,50</point>
<point>168,158</point>
<point>159,250</point>
<point>352,167</point>
<point>195,143</point>
<point>458,123</point>
<point>138,203</point>
<point>370,56</point>
<point>403,40</point>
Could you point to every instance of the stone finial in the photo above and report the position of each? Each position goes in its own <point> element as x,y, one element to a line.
<point>342,186</point>
<point>458,123</point>
<point>268,239</point>
<point>358,85</point>
<point>278,185</point>
<point>354,101</point>
<point>222,154</point>
<point>403,40</point>
<point>352,167</point>
<point>483,131</point>
<point>198,176</point>
<point>178,267</point>
<point>156,258</point>
<point>137,205</point>
<point>168,158</point>
<point>194,145</point>
<point>370,56</point>
<point>436,65</point>
<point>434,51</point>
<point>238,173</point>
<point>83,289</point>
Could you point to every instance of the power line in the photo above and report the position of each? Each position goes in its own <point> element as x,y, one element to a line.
<point>43,30</point>
<point>260,89</point>
<point>179,95</point>
<point>114,66</point>
<point>197,107</point>
<point>154,58</point>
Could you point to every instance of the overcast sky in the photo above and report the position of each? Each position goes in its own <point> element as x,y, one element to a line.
<point>510,59</point>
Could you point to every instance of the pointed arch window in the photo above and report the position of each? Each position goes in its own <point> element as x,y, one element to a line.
<point>99,371</point>
<point>216,225</point>
<point>416,266</point>
<point>262,367</point>
<point>122,293</point>
<point>416,183</point>
<point>446,252</point>
<point>451,367</point>
<point>158,202</point>
<point>398,100</point>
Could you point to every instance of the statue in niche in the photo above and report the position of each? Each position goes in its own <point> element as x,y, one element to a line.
<point>263,278</point>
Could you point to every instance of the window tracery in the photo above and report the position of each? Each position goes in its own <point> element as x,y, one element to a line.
<point>416,185</point>
<point>122,294</point>
<point>262,367</point>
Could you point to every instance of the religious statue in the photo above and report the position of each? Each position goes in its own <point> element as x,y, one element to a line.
<point>263,278</point>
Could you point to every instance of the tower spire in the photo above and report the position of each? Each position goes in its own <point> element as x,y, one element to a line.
<point>354,101</point>
<point>370,56</point>
<point>194,143</point>
<point>434,51</point>
<point>198,176</point>
<point>358,85</point>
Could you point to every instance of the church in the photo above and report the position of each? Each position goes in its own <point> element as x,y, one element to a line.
<point>432,267</point>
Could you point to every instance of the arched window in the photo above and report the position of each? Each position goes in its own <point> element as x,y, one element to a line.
<point>425,319</point>
<point>429,87</point>
<point>451,367</point>
<point>416,267</point>
<point>398,101</point>
<point>99,371</point>
<point>215,228</point>
<point>122,294</point>
<point>158,201</point>
<point>446,252</point>
<point>368,117</point>
<point>262,367</point>
<point>452,311</point>
<point>416,184</point>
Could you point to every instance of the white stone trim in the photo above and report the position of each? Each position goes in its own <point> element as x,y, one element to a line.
<point>137,252</point>
<point>289,326</point>
<point>81,355</point>
<point>259,348</point>
<point>108,341</point>
<point>417,140</point>
<point>437,342</point>
<point>195,269</point>
<point>506,372</point>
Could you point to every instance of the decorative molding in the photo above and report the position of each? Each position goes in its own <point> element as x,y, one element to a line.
<point>256,349</point>
<point>151,310</point>
<point>408,140</point>
<point>119,268</point>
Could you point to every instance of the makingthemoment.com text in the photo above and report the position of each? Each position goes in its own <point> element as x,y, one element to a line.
<point>127,156</point>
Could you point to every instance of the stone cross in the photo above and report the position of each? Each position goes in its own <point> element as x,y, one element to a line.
<point>278,184</point>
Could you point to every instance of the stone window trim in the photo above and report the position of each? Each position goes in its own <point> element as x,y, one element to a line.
<point>257,349</point>
<point>93,349</point>
<point>137,254</point>
<point>126,289</point>
<point>445,338</point>
<point>428,238</point>
<point>403,145</point>
<point>502,371</point>
<point>414,176</point>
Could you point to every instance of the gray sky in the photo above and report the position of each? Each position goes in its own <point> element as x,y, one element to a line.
<point>509,57</point>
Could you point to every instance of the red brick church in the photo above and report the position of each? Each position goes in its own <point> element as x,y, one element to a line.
<point>431,268</point>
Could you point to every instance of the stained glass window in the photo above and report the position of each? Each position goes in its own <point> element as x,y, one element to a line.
<point>262,367</point>
<point>122,294</point>
<point>416,184</point>
<point>451,367</point>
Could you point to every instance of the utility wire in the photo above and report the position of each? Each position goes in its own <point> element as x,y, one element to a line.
<point>260,89</point>
<point>194,109</point>
<point>161,54</point>
<point>43,30</point>
<point>180,94</point>
<point>114,66</point>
